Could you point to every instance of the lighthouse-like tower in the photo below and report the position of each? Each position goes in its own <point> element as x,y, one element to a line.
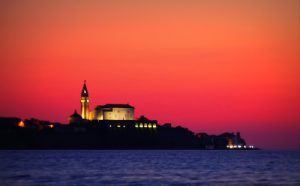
<point>84,102</point>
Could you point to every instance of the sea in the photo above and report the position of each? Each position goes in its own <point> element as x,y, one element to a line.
<point>149,167</point>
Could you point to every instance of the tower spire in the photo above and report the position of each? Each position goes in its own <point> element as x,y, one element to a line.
<point>84,92</point>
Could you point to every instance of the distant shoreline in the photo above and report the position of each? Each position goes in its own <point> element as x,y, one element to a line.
<point>140,134</point>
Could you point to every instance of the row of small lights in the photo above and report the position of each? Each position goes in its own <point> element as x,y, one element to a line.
<point>239,147</point>
<point>145,125</point>
<point>21,124</point>
<point>138,126</point>
<point>118,126</point>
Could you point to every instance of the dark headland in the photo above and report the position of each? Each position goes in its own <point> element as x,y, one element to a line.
<point>36,134</point>
<point>109,126</point>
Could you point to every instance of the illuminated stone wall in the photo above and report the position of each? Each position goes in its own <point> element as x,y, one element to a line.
<point>113,113</point>
<point>84,107</point>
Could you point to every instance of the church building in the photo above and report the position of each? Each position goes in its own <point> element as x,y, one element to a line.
<point>109,115</point>
<point>104,112</point>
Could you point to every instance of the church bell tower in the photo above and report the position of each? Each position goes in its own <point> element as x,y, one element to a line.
<point>84,102</point>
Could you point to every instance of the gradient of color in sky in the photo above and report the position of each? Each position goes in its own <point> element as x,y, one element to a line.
<point>211,66</point>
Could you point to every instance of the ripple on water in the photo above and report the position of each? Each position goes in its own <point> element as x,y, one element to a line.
<point>136,167</point>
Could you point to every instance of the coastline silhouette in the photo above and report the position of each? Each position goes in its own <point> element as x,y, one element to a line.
<point>109,126</point>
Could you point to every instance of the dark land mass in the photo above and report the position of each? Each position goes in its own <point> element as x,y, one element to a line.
<point>117,134</point>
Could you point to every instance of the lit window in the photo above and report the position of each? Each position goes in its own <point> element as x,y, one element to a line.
<point>21,124</point>
<point>141,125</point>
<point>124,126</point>
<point>118,126</point>
<point>145,125</point>
<point>149,125</point>
<point>136,125</point>
<point>51,126</point>
<point>110,126</point>
<point>154,125</point>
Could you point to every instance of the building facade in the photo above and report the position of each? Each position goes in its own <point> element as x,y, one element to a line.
<point>104,112</point>
<point>113,112</point>
<point>109,115</point>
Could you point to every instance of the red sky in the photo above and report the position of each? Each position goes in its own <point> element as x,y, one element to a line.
<point>211,66</point>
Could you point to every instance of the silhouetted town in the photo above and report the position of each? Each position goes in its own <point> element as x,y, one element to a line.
<point>110,126</point>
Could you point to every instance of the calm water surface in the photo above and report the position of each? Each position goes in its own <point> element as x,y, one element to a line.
<point>149,167</point>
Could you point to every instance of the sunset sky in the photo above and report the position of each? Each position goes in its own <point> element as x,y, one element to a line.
<point>211,66</point>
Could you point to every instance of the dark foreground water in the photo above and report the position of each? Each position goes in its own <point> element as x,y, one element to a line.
<point>149,167</point>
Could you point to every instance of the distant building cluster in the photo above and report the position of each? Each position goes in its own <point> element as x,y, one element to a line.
<point>109,126</point>
<point>104,112</point>
<point>228,140</point>
<point>112,115</point>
